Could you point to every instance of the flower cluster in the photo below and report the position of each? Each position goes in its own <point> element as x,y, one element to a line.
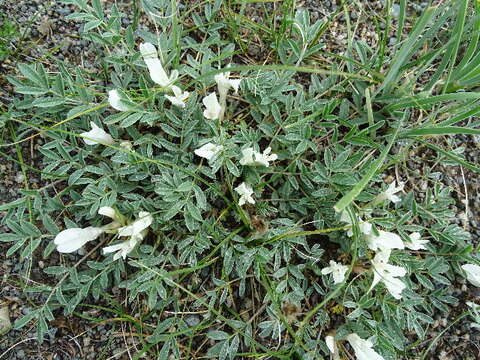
<point>214,110</point>
<point>382,243</point>
<point>379,241</point>
<point>70,240</point>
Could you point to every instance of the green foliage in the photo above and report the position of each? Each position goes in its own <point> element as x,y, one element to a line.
<point>204,253</point>
<point>7,31</point>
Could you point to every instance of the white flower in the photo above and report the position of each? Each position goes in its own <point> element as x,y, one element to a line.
<point>208,150</point>
<point>384,240</point>
<point>122,249</point>
<point>157,73</point>
<point>253,158</point>
<point>114,100</point>
<point>108,212</point>
<point>332,346</point>
<point>135,230</point>
<point>415,243</point>
<point>389,194</point>
<point>96,136</point>
<point>364,226</point>
<point>179,97</point>
<point>338,271</point>
<point>387,273</point>
<point>363,348</point>
<point>70,240</point>
<point>245,191</point>
<point>473,273</point>
<point>224,83</point>
<point>144,220</point>
<point>212,107</point>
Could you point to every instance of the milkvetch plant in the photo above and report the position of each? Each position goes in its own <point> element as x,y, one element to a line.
<point>211,200</point>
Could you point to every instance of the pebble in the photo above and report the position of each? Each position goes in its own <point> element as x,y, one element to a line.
<point>19,178</point>
<point>192,320</point>
<point>395,10</point>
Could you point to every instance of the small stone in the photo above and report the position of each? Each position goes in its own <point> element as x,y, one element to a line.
<point>395,11</point>
<point>192,320</point>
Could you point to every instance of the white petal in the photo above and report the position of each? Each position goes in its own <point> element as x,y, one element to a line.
<point>253,158</point>
<point>112,248</point>
<point>396,271</point>
<point>332,346</point>
<point>114,100</point>
<point>388,273</point>
<point>221,79</point>
<point>179,98</point>
<point>213,108</point>
<point>391,190</point>
<point>473,273</point>
<point>235,84</point>
<point>175,101</point>
<point>338,271</point>
<point>224,83</point>
<point>363,348</point>
<point>123,249</point>
<point>382,256</point>
<point>135,228</point>
<point>365,227</point>
<point>384,240</point>
<point>377,277</point>
<point>247,157</point>
<point>415,242</point>
<point>107,211</point>
<point>330,341</point>
<point>70,240</point>
<point>245,191</point>
<point>97,136</point>
<point>208,151</point>
<point>150,56</point>
<point>394,286</point>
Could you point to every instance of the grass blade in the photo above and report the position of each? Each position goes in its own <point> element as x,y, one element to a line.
<point>357,189</point>
<point>405,51</point>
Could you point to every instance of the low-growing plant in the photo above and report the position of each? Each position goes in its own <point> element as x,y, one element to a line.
<point>235,190</point>
<point>7,32</point>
